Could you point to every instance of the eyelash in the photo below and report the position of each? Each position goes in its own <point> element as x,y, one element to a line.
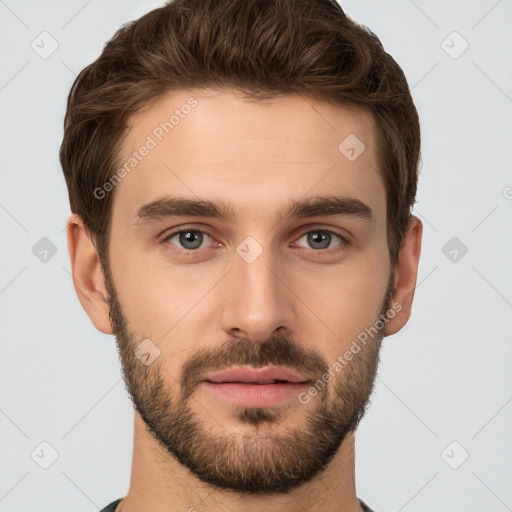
<point>193,252</point>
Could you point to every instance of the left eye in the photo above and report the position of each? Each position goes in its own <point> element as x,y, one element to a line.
<point>321,239</point>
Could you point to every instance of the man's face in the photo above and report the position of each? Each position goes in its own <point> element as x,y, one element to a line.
<point>260,288</point>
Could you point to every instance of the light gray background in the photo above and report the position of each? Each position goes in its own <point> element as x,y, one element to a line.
<point>445,377</point>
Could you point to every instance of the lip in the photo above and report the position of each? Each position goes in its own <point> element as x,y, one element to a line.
<point>256,375</point>
<point>251,387</point>
<point>255,395</point>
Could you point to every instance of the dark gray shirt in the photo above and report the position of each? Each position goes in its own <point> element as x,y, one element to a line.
<point>113,505</point>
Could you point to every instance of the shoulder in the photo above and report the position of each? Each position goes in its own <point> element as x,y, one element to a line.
<point>112,506</point>
<point>364,506</point>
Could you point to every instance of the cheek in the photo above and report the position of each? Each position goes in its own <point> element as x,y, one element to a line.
<point>156,307</point>
<point>143,297</point>
<point>156,297</point>
<point>344,303</point>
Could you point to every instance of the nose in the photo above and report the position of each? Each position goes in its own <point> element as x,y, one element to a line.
<point>259,299</point>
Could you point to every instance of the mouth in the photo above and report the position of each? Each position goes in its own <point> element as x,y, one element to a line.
<point>248,375</point>
<point>256,387</point>
<point>273,381</point>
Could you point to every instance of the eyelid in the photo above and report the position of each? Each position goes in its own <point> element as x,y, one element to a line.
<point>318,226</point>
<point>184,229</point>
<point>344,239</point>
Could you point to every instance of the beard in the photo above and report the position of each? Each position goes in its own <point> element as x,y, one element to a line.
<point>260,461</point>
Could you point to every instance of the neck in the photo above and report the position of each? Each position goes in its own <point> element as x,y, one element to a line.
<point>160,483</point>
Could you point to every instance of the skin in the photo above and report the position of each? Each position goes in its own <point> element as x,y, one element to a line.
<point>257,157</point>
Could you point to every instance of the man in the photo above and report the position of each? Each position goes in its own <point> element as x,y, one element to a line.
<point>241,175</point>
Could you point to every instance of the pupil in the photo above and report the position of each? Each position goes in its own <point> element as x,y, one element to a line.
<point>320,237</point>
<point>191,237</point>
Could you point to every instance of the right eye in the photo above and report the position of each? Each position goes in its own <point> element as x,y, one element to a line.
<point>189,240</point>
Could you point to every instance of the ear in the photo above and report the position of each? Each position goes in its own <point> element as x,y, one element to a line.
<point>405,275</point>
<point>88,278</point>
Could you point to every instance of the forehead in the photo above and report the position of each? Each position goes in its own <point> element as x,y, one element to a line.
<point>254,155</point>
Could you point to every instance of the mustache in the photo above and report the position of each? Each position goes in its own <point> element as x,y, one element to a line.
<point>276,351</point>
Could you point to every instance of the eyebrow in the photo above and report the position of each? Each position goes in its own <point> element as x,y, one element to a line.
<point>166,207</point>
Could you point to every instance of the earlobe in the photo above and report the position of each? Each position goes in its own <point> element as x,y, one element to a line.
<point>87,275</point>
<point>406,273</point>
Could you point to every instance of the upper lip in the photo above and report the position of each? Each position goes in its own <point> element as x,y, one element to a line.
<point>255,375</point>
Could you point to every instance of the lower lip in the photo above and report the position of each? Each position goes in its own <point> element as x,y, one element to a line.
<point>256,395</point>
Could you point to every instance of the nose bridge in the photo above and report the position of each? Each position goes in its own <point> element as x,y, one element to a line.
<point>258,301</point>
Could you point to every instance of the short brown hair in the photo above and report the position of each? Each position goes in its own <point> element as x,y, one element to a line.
<point>261,48</point>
